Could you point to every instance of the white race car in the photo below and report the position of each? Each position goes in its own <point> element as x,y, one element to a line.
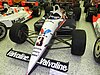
<point>56,21</point>
<point>11,15</point>
<point>93,16</point>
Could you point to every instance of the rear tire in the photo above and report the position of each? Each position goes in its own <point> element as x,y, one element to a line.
<point>3,31</point>
<point>87,5</point>
<point>78,42</point>
<point>77,12</point>
<point>48,9</point>
<point>36,11</point>
<point>45,4</point>
<point>90,12</point>
<point>88,18</point>
<point>18,33</point>
<point>84,3</point>
<point>77,4</point>
<point>96,51</point>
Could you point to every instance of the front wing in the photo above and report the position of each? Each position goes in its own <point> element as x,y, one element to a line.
<point>45,62</point>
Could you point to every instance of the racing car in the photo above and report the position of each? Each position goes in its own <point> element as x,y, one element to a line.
<point>93,16</point>
<point>96,27</point>
<point>11,15</point>
<point>90,3</point>
<point>53,24</point>
<point>92,9</point>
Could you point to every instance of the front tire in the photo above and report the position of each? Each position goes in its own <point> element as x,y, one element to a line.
<point>18,33</point>
<point>3,31</point>
<point>78,42</point>
<point>96,51</point>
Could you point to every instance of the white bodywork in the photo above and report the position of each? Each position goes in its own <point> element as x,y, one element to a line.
<point>96,25</point>
<point>19,15</point>
<point>48,29</point>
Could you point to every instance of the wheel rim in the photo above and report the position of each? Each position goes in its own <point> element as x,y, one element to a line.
<point>97,49</point>
<point>2,32</point>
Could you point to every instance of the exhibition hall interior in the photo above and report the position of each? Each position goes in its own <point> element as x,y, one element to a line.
<point>49,37</point>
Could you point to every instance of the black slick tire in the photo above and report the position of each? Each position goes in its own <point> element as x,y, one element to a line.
<point>78,42</point>
<point>77,5</point>
<point>36,11</point>
<point>77,12</point>
<point>87,5</point>
<point>18,33</point>
<point>3,31</point>
<point>96,51</point>
<point>84,3</point>
<point>48,9</point>
<point>45,4</point>
<point>88,18</point>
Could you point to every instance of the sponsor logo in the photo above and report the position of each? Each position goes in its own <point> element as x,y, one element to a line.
<point>57,65</point>
<point>18,55</point>
<point>49,63</point>
<point>45,32</point>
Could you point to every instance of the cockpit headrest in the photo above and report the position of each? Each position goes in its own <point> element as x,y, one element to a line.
<point>56,7</point>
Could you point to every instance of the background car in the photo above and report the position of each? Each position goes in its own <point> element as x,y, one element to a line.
<point>11,15</point>
<point>92,10</point>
